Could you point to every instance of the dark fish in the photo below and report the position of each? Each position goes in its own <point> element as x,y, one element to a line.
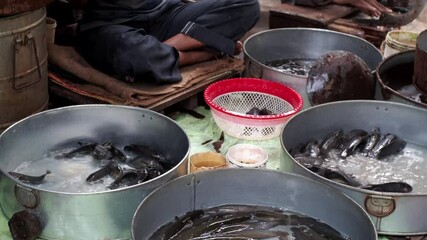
<point>29,179</point>
<point>153,173</point>
<point>352,140</point>
<point>382,149</point>
<point>338,176</point>
<point>253,111</point>
<point>218,144</point>
<point>320,229</point>
<point>373,139</point>
<point>309,162</point>
<point>83,150</point>
<point>333,141</point>
<point>144,151</point>
<point>313,148</point>
<point>265,111</point>
<point>141,162</point>
<point>395,146</point>
<point>108,151</point>
<point>298,150</point>
<point>181,222</point>
<point>398,187</point>
<point>212,225</point>
<point>129,178</point>
<point>110,168</point>
<point>299,233</point>
<point>256,234</point>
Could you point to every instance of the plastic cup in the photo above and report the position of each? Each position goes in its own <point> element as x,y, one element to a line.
<point>398,41</point>
<point>246,156</point>
<point>207,161</point>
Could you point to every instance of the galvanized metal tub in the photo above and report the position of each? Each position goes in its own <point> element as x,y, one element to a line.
<point>300,43</point>
<point>23,71</point>
<point>399,68</point>
<point>251,187</point>
<point>392,213</point>
<point>96,216</point>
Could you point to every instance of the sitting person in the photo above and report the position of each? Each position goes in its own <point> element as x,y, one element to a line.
<point>140,39</point>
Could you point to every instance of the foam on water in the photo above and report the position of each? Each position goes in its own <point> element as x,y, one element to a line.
<point>67,175</point>
<point>408,166</point>
<point>299,67</point>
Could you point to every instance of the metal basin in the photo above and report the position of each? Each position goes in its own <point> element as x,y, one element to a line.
<point>300,43</point>
<point>392,213</point>
<point>237,186</point>
<point>394,73</point>
<point>101,215</point>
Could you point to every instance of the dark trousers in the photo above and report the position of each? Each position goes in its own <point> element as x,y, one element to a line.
<point>135,50</point>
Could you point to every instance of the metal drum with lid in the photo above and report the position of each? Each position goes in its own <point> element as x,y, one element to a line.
<point>23,68</point>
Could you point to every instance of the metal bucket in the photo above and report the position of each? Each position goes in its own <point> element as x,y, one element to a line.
<point>394,73</point>
<point>23,71</point>
<point>95,216</point>
<point>392,213</point>
<point>237,186</point>
<point>300,43</point>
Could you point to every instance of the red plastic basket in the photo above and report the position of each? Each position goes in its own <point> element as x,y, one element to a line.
<point>231,99</point>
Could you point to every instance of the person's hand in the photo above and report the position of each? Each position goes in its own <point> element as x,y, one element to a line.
<point>370,7</point>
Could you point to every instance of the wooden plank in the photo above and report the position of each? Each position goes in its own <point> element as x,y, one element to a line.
<point>320,15</point>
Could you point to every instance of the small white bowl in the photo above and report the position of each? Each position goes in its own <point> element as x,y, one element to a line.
<point>246,156</point>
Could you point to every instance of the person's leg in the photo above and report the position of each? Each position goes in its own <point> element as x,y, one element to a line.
<point>129,53</point>
<point>217,24</point>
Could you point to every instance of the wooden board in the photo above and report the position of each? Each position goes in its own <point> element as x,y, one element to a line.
<point>287,15</point>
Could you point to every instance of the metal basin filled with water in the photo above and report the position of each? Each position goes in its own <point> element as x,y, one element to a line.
<point>394,76</point>
<point>393,212</point>
<point>206,191</point>
<point>67,213</point>
<point>286,55</point>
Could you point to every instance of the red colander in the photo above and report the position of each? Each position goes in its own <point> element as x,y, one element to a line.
<point>230,101</point>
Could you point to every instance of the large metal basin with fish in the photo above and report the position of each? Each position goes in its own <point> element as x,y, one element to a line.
<point>392,213</point>
<point>99,215</point>
<point>251,187</point>
<point>394,76</point>
<point>300,44</point>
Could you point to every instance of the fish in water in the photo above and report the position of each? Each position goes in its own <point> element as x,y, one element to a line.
<point>233,222</point>
<point>147,157</point>
<point>372,140</point>
<point>82,150</point>
<point>313,148</point>
<point>338,176</point>
<point>29,179</point>
<point>144,151</point>
<point>352,140</point>
<point>110,168</point>
<point>397,187</point>
<point>333,141</point>
<point>395,146</point>
<point>310,162</point>
<point>298,150</point>
<point>107,151</point>
<point>389,144</point>
<point>129,178</point>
